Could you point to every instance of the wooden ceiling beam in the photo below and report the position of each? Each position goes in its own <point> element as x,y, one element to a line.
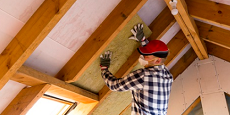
<point>216,39</point>
<point>22,103</point>
<point>176,45</point>
<point>209,11</point>
<point>213,34</point>
<point>189,28</point>
<point>192,106</point>
<point>183,63</point>
<point>99,40</point>
<point>163,22</point>
<point>126,109</point>
<point>58,87</point>
<point>30,36</point>
<point>218,51</point>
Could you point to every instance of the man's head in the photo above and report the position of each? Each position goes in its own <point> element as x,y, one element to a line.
<point>155,52</point>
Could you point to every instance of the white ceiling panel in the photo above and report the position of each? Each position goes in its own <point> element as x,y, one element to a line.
<point>20,9</point>
<point>49,57</point>
<point>81,21</point>
<point>9,25</point>
<point>151,10</point>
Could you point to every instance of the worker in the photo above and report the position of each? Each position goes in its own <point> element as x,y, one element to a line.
<point>151,85</point>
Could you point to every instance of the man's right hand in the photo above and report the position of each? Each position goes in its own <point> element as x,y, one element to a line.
<point>138,33</point>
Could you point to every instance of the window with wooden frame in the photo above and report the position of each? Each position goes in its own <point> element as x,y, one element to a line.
<point>49,105</point>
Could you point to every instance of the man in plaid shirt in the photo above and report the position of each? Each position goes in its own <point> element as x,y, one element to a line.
<point>151,85</point>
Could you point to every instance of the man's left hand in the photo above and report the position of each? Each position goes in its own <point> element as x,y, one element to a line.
<point>105,60</point>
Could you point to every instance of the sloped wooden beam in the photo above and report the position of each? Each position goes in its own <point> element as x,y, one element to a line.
<point>176,45</point>
<point>216,39</point>
<point>183,63</point>
<point>30,36</point>
<point>189,28</point>
<point>126,109</point>
<point>58,87</point>
<point>218,51</point>
<point>25,100</point>
<point>217,42</point>
<point>163,22</point>
<point>98,41</point>
<point>209,11</point>
<point>192,106</point>
<point>213,34</point>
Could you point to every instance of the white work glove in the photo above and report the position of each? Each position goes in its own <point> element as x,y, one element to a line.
<point>138,33</point>
<point>105,60</point>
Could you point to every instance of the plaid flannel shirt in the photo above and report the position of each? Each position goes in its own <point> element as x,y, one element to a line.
<point>150,89</point>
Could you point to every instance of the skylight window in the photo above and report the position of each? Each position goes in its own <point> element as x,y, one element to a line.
<point>48,105</point>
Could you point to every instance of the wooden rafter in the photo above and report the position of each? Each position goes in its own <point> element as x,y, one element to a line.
<point>213,34</point>
<point>25,100</point>
<point>126,108</point>
<point>192,106</point>
<point>98,41</point>
<point>216,39</point>
<point>176,45</point>
<point>163,22</point>
<point>189,28</point>
<point>183,63</point>
<point>60,88</point>
<point>209,11</point>
<point>30,36</point>
<point>218,51</point>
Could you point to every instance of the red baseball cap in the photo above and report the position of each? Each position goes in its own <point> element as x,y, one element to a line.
<point>154,47</point>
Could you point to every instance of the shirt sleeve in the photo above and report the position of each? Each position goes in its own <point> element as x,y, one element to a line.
<point>144,43</point>
<point>132,81</point>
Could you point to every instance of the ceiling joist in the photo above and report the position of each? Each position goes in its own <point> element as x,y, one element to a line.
<point>192,106</point>
<point>99,40</point>
<point>213,34</point>
<point>126,109</point>
<point>22,103</point>
<point>183,63</point>
<point>216,39</point>
<point>189,28</point>
<point>210,11</point>
<point>60,88</point>
<point>176,45</point>
<point>163,22</point>
<point>30,36</point>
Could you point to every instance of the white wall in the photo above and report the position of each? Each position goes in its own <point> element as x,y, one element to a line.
<point>209,79</point>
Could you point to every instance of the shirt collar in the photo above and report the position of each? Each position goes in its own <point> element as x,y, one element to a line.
<point>157,67</point>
